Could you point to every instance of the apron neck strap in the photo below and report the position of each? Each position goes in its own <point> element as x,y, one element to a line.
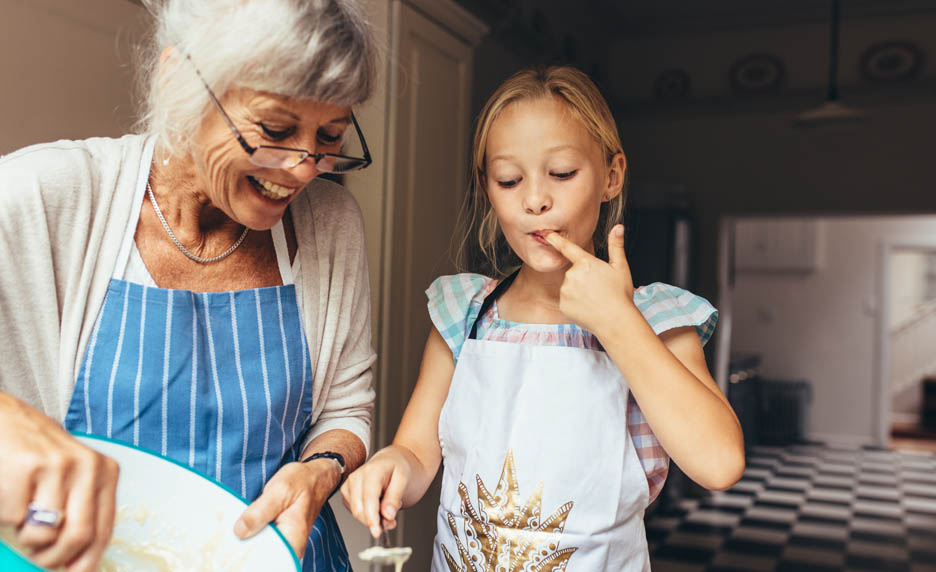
<point>282,252</point>
<point>489,301</point>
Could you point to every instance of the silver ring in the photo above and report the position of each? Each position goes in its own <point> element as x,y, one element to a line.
<point>40,516</point>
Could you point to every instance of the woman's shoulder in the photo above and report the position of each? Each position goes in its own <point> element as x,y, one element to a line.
<point>52,160</point>
<point>665,307</point>
<point>66,177</point>
<point>67,166</point>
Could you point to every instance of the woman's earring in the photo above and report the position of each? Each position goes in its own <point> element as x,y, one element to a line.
<point>166,161</point>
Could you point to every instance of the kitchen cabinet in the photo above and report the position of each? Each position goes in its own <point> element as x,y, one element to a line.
<point>777,244</point>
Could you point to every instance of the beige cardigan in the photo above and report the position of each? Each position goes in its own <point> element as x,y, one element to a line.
<point>64,208</point>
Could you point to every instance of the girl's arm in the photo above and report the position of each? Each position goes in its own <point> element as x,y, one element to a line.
<point>667,374</point>
<point>399,475</point>
<point>676,393</point>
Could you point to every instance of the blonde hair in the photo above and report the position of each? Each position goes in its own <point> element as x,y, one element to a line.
<point>491,254</point>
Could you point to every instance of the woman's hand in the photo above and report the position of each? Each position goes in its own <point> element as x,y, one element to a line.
<point>292,499</point>
<point>374,493</point>
<point>593,289</point>
<point>41,463</point>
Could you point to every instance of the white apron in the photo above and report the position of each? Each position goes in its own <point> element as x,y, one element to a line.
<point>540,472</point>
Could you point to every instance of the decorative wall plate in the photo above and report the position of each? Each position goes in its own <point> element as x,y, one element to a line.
<point>757,73</point>
<point>891,62</point>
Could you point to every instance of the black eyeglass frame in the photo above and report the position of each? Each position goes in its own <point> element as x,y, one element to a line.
<point>303,153</point>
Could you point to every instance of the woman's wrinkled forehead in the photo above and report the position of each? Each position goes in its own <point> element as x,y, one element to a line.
<point>294,108</point>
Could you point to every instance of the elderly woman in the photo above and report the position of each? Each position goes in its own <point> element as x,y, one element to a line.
<point>195,290</point>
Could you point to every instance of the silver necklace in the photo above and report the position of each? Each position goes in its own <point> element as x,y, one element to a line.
<point>196,258</point>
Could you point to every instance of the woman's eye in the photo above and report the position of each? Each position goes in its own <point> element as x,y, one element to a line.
<point>327,138</point>
<point>565,174</point>
<point>277,134</point>
<point>509,184</point>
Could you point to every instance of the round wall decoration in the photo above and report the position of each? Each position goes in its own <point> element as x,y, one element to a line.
<point>757,73</point>
<point>891,61</point>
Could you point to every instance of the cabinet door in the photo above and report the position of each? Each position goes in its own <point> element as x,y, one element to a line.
<point>427,157</point>
<point>780,244</point>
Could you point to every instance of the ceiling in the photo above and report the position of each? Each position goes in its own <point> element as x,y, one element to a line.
<point>666,16</point>
<point>627,44</point>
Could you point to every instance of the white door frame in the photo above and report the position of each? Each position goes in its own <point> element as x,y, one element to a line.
<point>881,407</point>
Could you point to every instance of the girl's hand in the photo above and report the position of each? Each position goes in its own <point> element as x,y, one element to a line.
<point>42,464</point>
<point>292,499</point>
<point>374,493</point>
<point>593,289</point>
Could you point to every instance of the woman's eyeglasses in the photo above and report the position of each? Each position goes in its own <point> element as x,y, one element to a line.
<point>274,157</point>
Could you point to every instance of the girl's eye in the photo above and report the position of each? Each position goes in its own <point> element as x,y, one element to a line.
<point>277,134</point>
<point>509,184</point>
<point>565,175</point>
<point>327,138</point>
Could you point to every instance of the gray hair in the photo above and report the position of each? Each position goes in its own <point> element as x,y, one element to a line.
<point>316,49</point>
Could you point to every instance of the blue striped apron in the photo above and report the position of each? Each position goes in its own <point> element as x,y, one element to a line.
<point>221,381</point>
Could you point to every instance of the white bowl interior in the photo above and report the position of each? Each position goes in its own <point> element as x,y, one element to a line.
<point>170,517</point>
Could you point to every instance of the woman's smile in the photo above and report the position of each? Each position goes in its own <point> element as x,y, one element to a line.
<point>271,190</point>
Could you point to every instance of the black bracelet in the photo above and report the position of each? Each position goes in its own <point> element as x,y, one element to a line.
<point>334,457</point>
<point>328,455</point>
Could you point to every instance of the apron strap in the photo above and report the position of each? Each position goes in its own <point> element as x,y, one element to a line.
<point>489,301</point>
<point>282,252</point>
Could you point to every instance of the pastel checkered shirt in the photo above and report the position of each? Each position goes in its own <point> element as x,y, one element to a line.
<point>454,302</point>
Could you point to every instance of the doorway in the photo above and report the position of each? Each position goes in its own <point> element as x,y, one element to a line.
<point>907,339</point>
<point>809,296</point>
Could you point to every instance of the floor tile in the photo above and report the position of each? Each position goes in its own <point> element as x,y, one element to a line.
<point>781,498</point>
<point>824,531</point>
<point>871,492</point>
<point>825,511</point>
<point>742,562</point>
<point>807,508</point>
<point>816,556</point>
<point>763,535</point>
<point>831,495</point>
<point>665,565</point>
<point>877,508</point>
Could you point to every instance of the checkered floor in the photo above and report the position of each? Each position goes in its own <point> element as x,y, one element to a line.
<point>804,508</point>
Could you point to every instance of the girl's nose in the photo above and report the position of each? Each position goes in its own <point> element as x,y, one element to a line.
<point>535,201</point>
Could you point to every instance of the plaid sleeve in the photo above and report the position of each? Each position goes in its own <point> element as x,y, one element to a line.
<point>454,302</point>
<point>666,307</point>
<point>653,458</point>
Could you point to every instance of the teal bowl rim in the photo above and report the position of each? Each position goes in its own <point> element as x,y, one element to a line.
<point>4,548</point>
<point>10,559</point>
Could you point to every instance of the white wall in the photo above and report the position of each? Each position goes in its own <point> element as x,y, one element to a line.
<point>66,69</point>
<point>821,326</point>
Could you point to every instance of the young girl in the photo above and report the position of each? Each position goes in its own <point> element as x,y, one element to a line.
<point>555,394</point>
